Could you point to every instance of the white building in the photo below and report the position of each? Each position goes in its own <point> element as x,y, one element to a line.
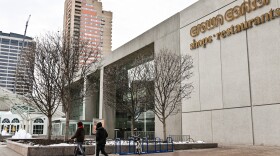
<point>15,115</point>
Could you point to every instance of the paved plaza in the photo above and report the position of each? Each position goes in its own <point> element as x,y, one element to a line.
<point>5,151</point>
<point>221,151</point>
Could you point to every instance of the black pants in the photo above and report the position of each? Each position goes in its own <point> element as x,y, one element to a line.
<point>102,149</point>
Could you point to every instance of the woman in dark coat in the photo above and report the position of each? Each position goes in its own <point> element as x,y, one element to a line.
<point>101,135</point>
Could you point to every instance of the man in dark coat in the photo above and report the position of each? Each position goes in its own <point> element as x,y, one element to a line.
<point>101,135</point>
<point>80,137</point>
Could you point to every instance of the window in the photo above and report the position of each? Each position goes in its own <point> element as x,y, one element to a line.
<point>12,79</point>
<point>13,47</point>
<point>3,60</point>
<point>14,42</point>
<point>15,120</point>
<point>4,50</point>
<point>5,120</point>
<point>15,125</point>
<point>38,126</point>
<point>5,57</point>
<point>11,54</point>
<point>3,46</point>
<point>5,41</point>
<point>38,121</point>
<point>38,129</point>
<point>14,51</point>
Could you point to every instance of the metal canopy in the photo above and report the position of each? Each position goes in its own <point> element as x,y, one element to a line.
<point>10,101</point>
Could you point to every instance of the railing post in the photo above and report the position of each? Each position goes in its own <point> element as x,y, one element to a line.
<point>156,144</point>
<point>117,141</point>
<point>129,145</point>
<point>172,144</point>
<point>142,144</point>
<point>159,144</point>
<point>171,141</point>
<point>167,141</point>
<point>147,141</point>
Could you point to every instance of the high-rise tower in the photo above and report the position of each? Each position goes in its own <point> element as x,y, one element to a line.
<point>85,19</point>
<point>10,53</point>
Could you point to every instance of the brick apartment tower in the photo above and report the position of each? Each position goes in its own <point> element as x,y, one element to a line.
<point>85,19</point>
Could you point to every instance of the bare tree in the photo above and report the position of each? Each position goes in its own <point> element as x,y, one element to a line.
<point>56,67</point>
<point>125,90</point>
<point>169,72</point>
<point>42,73</point>
<point>79,58</point>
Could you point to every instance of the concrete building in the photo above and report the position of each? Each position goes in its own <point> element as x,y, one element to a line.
<point>235,48</point>
<point>85,20</point>
<point>10,51</point>
<point>236,75</point>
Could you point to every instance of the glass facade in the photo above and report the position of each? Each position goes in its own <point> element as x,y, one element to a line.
<point>144,124</point>
<point>58,127</point>
<point>76,105</point>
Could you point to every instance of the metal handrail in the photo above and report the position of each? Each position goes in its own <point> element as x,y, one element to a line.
<point>141,134</point>
<point>181,138</point>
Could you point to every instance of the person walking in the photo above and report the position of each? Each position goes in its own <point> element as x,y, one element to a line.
<point>80,137</point>
<point>101,135</point>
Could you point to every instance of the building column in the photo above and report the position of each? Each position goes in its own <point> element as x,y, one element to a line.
<point>101,93</point>
<point>84,98</point>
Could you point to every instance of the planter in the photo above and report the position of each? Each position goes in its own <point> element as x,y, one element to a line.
<point>68,150</point>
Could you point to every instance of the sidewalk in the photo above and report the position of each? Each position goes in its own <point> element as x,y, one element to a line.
<point>221,151</point>
<point>5,151</point>
<point>224,151</point>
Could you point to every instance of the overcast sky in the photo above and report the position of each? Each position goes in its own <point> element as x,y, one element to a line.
<point>130,17</point>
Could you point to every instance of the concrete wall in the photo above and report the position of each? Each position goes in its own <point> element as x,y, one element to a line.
<point>264,56</point>
<point>171,42</point>
<point>237,80</point>
<point>164,35</point>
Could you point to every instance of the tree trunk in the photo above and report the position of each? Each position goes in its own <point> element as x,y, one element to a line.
<point>164,129</point>
<point>50,128</point>
<point>132,126</point>
<point>66,136</point>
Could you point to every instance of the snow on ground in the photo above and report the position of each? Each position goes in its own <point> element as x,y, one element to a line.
<point>61,144</point>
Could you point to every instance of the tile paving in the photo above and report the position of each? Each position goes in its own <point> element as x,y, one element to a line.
<point>221,151</point>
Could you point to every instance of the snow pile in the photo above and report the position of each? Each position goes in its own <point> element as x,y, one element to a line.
<point>62,144</point>
<point>4,133</point>
<point>22,134</point>
<point>189,142</point>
